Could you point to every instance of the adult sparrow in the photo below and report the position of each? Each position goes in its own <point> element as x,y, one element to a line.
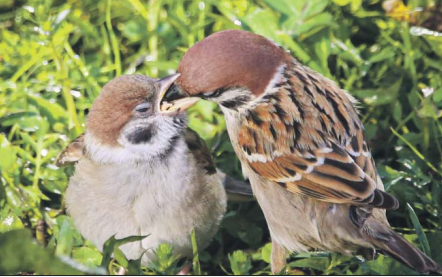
<point>301,144</point>
<point>141,171</point>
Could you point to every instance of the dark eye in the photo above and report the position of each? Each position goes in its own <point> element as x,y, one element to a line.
<point>143,107</point>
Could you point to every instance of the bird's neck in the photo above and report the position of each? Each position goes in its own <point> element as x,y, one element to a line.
<point>118,155</point>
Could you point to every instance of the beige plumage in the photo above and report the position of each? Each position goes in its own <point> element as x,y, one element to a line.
<point>141,171</point>
<point>236,190</point>
<point>302,145</point>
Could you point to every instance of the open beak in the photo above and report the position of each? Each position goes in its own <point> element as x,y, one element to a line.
<point>175,105</point>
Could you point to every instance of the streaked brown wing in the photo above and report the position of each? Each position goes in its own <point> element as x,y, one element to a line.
<point>200,151</point>
<point>73,152</point>
<point>307,138</point>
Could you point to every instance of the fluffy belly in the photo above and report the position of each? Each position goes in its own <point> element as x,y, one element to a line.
<point>105,205</point>
<point>301,224</point>
<point>98,222</point>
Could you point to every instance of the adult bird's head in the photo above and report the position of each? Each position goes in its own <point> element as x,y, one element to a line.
<point>126,124</point>
<point>230,68</point>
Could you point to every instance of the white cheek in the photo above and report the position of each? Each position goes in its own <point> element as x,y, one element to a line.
<point>104,154</point>
<point>127,152</point>
<point>232,94</point>
<point>277,78</point>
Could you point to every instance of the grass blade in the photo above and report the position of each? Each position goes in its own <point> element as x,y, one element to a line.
<point>196,260</point>
<point>419,154</point>
<point>113,39</point>
<point>419,231</point>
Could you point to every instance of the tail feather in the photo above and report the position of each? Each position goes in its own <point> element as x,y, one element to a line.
<point>400,249</point>
<point>236,190</point>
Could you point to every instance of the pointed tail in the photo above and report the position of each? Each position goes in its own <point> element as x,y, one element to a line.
<point>238,191</point>
<point>398,248</point>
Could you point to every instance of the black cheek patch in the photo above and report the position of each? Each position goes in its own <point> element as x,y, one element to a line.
<point>142,135</point>
<point>235,103</point>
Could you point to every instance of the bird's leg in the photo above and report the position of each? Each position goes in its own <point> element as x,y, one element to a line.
<point>278,257</point>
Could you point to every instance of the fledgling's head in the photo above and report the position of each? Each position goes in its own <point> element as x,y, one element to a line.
<point>126,124</point>
<point>229,67</point>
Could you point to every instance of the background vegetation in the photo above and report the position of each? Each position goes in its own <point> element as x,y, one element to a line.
<point>56,55</point>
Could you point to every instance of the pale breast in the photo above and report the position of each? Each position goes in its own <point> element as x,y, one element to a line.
<point>164,200</point>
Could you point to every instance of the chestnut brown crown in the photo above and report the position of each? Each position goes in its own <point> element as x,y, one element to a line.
<point>230,59</point>
<point>114,107</point>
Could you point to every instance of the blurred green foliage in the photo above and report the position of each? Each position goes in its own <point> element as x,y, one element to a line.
<point>56,55</point>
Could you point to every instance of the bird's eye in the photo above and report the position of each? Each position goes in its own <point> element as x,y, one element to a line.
<point>143,107</point>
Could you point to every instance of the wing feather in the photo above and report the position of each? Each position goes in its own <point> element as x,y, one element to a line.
<point>200,151</point>
<point>72,153</point>
<point>307,138</point>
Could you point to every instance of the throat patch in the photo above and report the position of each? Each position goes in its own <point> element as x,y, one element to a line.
<point>142,135</point>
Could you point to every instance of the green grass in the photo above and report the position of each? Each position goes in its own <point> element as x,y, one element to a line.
<point>56,56</point>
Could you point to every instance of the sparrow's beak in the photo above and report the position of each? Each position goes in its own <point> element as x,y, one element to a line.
<point>165,83</point>
<point>174,99</point>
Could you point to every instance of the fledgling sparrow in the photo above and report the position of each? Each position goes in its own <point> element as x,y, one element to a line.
<point>301,144</point>
<point>141,171</point>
